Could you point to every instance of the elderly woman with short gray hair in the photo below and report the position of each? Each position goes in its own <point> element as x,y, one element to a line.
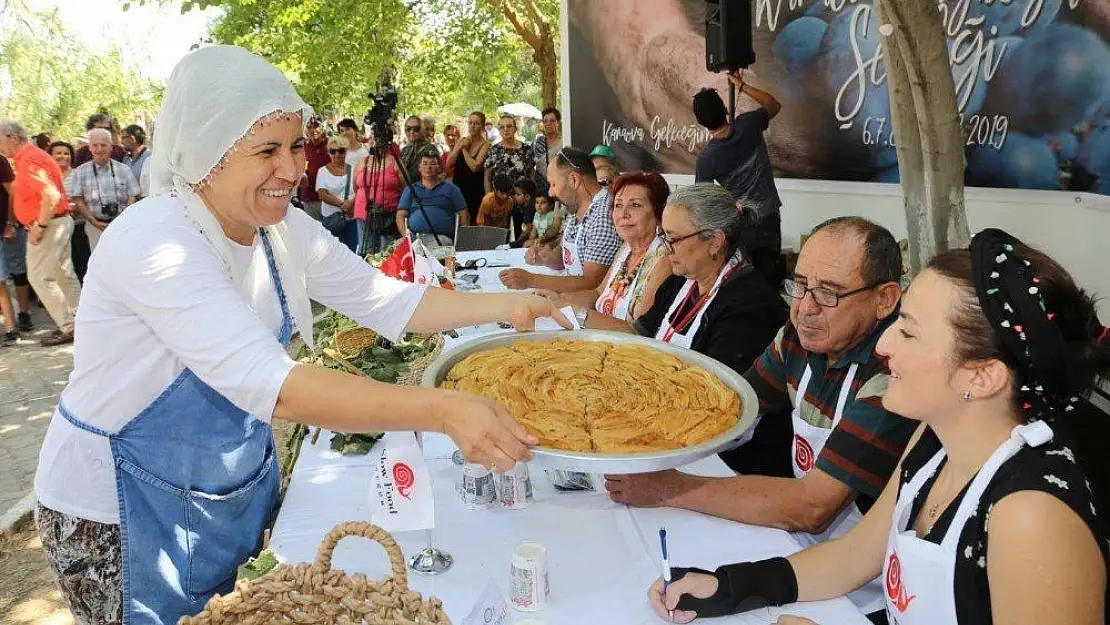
<point>715,303</point>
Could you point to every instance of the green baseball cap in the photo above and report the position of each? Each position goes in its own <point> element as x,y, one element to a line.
<point>603,150</point>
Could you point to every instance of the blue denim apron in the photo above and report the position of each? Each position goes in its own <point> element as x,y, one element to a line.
<point>197,480</point>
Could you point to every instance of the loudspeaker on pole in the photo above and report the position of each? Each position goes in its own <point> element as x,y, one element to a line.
<point>728,35</point>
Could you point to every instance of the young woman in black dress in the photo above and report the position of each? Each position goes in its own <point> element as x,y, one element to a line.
<point>468,158</point>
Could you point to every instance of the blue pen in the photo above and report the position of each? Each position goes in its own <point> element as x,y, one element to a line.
<point>666,566</point>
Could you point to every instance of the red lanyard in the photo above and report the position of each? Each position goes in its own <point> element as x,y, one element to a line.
<point>688,318</point>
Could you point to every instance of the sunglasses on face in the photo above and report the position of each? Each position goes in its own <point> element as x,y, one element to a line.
<point>338,151</point>
<point>412,128</point>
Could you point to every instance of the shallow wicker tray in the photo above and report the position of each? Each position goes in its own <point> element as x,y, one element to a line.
<point>616,463</point>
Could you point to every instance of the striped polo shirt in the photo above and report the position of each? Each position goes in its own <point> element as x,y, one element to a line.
<point>864,448</point>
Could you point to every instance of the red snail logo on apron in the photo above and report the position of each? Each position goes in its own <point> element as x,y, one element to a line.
<point>803,453</point>
<point>403,479</point>
<point>894,588</point>
<point>608,301</point>
<point>567,259</point>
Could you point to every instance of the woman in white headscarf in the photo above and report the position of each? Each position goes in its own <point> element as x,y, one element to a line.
<point>157,474</point>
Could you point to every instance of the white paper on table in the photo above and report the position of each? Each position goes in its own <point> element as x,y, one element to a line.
<point>401,493</point>
<point>490,609</point>
<point>544,324</point>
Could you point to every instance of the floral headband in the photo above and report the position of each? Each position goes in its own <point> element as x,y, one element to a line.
<point>1011,298</point>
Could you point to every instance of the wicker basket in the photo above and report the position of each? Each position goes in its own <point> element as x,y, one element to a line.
<point>317,594</point>
<point>350,343</point>
<point>418,366</point>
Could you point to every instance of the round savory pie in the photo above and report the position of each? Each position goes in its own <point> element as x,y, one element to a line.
<point>598,397</point>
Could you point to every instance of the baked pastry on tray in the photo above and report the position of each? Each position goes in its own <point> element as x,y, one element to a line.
<point>598,397</point>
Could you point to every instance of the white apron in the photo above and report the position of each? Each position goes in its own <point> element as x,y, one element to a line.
<point>572,257</point>
<point>920,575</point>
<point>609,303</point>
<point>809,440</point>
<point>669,334</point>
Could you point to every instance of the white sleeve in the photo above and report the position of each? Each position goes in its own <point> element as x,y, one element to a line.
<point>322,177</point>
<point>339,279</point>
<point>177,285</point>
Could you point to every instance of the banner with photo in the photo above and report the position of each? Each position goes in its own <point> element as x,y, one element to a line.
<point>1032,81</point>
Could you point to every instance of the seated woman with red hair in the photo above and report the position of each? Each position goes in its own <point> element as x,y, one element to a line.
<point>641,264</point>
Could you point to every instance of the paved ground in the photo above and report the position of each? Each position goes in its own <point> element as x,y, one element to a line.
<point>31,377</point>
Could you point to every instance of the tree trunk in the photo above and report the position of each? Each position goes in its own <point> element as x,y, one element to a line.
<point>927,129</point>
<point>535,29</point>
<point>548,60</point>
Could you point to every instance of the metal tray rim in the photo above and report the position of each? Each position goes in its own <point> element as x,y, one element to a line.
<point>631,463</point>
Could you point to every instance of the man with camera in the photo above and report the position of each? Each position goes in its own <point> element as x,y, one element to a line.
<point>101,188</point>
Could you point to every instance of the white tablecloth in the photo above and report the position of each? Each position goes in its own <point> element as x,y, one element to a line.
<point>602,556</point>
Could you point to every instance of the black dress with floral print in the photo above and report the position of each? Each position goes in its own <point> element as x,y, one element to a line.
<point>514,163</point>
<point>1050,468</point>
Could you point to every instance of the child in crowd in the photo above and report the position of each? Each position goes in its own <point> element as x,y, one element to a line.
<point>524,209</point>
<point>497,206</point>
<point>546,226</point>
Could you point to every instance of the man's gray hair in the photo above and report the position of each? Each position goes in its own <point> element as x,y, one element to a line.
<point>427,119</point>
<point>712,208</point>
<point>100,132</point>
<point>882,257</point>
<point>13,128</point>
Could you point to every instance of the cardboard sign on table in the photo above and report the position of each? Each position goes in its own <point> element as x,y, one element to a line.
<point>401,494</point>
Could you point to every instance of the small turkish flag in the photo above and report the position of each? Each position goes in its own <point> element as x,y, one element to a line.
<point>400,263</point>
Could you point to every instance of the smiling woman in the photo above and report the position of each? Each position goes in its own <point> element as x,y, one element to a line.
<point>159,460</point>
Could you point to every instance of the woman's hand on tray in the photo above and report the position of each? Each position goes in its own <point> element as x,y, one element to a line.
<point>485,431</point>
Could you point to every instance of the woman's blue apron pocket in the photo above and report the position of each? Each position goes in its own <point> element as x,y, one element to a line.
<point>226,529</point>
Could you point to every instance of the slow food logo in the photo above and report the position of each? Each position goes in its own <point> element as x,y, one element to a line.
<point>403,479</point>
<point>803,454</point>
<point>895,590</point>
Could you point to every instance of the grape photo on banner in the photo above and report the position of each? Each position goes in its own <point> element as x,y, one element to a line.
<point>1032,84</point>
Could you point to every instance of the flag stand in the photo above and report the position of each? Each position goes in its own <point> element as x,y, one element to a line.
<point>431,560</point>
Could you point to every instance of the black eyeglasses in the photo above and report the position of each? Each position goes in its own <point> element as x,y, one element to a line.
<point>337,151</point>
<point>668,243</point>
<point>824,297</point>
<point>412,128</point>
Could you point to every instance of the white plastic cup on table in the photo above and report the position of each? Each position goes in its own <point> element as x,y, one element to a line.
<point>515,487</point>
<point>478,488</point>
<point>528,584</point>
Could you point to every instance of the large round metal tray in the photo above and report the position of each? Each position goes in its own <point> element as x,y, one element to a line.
<point>616,463</point>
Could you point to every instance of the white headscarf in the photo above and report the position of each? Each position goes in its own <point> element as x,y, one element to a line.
<point>214,96</point>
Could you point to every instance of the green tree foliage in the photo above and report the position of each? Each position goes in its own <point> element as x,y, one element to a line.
<point>49,81</point>
<point>335,51</point>
<point>446,57</point>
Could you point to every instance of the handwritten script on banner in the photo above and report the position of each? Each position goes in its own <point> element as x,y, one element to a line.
<point>1032,84</point>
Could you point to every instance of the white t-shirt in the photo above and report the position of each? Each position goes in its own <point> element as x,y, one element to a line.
<point>354,157</point>
<point>334,185</point>
<point>157,299</point>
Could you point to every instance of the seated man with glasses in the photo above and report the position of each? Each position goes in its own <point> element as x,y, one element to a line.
<point>821,369</point>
